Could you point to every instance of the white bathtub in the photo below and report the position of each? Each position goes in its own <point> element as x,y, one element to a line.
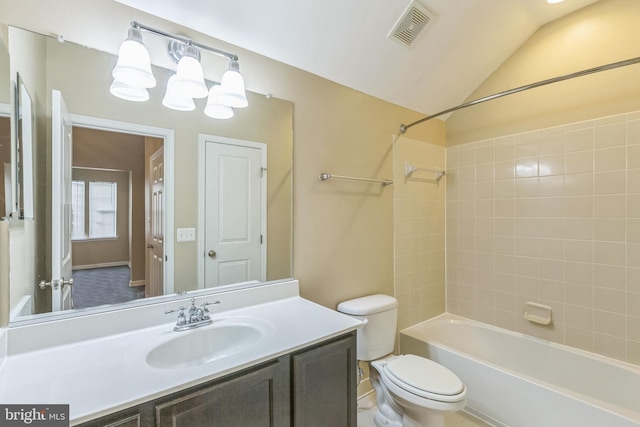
<point>519,381</point>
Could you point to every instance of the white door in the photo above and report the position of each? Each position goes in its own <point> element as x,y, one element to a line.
<point>61,157</point>
<point>235,208</point>
<point>155,232</point>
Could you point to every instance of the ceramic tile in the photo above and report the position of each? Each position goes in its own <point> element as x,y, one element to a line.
<point>554,217</point>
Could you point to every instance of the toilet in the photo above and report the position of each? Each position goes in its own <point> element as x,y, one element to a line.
<point>411,391</point>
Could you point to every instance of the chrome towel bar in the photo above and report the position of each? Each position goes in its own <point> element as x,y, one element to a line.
<point>325,176</point>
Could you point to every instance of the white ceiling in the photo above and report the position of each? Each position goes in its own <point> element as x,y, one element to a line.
<point>346,40</point>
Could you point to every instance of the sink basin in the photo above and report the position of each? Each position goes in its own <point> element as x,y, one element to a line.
<point>206,345</point>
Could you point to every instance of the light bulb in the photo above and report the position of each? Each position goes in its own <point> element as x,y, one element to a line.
<point>175,99</point>
<point>129,93</point>
<point>232,87</point>
<point>213,108</point>
<point>134,66</point>
<point>189,78</point>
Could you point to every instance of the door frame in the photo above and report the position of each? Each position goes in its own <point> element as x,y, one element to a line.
<point>169,137</point>
<point>203,139</point>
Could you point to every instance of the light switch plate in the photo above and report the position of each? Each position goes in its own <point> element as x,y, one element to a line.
<point>186,234</point>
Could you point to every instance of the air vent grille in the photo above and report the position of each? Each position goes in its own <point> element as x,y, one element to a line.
<point>410,24</point>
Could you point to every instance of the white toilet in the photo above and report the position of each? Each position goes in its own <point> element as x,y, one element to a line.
<point>411,391</point>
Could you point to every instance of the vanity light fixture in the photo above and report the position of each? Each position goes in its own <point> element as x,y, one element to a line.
<point>133,76</point>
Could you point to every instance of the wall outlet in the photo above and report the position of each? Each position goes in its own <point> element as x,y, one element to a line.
<point>186,234</point>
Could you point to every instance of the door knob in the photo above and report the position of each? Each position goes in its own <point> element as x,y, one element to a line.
<point>212,253</point>
<point>54,284</point>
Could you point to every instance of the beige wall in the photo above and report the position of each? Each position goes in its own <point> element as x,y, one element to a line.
<point>602,33</point>
<point>4,272</point>
<point>5,87</point>
<point>5,157</point>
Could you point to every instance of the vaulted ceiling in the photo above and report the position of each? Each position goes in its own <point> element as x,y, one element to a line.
<point>346,41</point>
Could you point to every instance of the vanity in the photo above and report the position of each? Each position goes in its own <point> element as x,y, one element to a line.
<point>269,358</point>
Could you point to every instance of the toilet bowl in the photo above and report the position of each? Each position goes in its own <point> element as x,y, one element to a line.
<point>418,391</point>
<point>411,391</point>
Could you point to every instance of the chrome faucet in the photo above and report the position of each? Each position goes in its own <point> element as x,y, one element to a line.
<point>195,317</point>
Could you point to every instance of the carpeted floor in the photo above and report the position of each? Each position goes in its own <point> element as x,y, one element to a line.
<point>99,286</point>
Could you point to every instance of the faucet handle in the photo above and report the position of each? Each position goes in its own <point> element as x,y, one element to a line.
<point>180,309</point>
<point>182,319</point>
<point>204,305</point>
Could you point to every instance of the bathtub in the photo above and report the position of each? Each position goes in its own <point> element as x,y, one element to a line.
<point>516,380</point>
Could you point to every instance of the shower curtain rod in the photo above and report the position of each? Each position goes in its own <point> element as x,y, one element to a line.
<point>404,128</point>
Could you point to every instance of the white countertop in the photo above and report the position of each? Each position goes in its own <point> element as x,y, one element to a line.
<point>104,374</point>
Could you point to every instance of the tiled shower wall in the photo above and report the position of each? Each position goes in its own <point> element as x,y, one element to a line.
<point>551,216</point>
<point>419,229</point>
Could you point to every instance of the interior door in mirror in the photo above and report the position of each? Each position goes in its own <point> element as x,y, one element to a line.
<point>61,171</point>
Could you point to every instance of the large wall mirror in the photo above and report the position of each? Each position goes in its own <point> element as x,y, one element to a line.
<point>146,219</point>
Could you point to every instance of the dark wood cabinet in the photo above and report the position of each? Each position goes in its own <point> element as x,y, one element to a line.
<point>258,398</point>
<point>324,385</point>
<point>132,417</point>
<point>315,386</point>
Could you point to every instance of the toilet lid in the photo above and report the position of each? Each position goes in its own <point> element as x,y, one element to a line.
<point>424,374</point>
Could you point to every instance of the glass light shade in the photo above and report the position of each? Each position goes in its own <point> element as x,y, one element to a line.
<point>232,92</point>
<point>189,77</point>
<point>213,108</point>
<point>134,66</point>
<point>175,99</point>
<point>129,93</point>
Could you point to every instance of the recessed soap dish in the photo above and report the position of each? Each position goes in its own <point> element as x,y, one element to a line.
<point>537,313</point>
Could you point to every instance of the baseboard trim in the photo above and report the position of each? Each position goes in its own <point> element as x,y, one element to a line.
<point>136,283</point>
<point>102,265</point>
<point>365,389</point>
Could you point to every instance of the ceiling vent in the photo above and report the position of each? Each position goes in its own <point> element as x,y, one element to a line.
<point>410,24</point>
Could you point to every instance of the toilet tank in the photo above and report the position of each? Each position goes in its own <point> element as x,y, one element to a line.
<point>377,337</point>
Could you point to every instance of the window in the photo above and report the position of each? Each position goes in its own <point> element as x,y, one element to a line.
<point>77,210</point>
<point>100,218</point>
<point>102,209</point>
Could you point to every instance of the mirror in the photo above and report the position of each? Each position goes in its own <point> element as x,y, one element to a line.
<point>114,146</point>
<point>5,135</point>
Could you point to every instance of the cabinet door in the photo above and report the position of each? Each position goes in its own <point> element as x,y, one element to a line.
<point>255,398</point>
<point>134,417</point>
<point>324,385</point>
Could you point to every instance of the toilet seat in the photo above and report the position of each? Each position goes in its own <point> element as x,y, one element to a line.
<point>425,378</point>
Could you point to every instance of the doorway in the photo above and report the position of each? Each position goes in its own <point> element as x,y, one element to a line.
<point>233,211</point>
<point>111,204</point>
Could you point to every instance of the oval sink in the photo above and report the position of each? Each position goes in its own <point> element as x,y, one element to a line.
<point>206,345</point>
